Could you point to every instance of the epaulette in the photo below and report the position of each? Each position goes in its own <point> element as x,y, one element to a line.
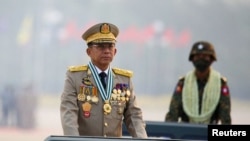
<point>127,73</point>
<point>78,68</point>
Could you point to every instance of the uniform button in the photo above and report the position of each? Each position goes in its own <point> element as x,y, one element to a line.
<point>106,124</point>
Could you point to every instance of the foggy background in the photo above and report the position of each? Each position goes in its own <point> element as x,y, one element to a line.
<point>40,39</point>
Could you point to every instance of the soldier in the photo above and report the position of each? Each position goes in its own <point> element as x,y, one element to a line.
<point>98,98</point>
<point>8,106</point>
<point>202,95</point>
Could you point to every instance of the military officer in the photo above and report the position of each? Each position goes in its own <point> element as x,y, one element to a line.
<point>202,95</point>
<point>98,98</point>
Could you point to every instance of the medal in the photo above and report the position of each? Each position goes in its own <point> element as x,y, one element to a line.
<point>86,109</point>
<point>87,90</point>
<point>88,98</point>
<point>122,98</point>
<point>107,108</point>
<point>94,99</point>
<point>81,97</point>
<point>94,91</point>
<point>81,89</point>
<point>127,99</point>
<point>128,93</point>
<point>105,93</point>
<point>114,91</point>
<point>118,98</point>
<point>119,91</point>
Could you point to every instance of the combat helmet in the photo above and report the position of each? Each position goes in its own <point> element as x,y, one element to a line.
<point>202,47</point>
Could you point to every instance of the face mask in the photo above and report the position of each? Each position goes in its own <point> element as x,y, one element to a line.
<point>201,64</point>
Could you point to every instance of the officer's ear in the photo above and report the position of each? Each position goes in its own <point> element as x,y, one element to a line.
<point>88,51</point>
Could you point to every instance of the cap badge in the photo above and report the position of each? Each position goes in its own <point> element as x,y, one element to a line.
<point>105,29</point>
<point>200,46</point>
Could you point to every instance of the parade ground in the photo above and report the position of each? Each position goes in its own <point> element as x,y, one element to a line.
<point>154,109</point>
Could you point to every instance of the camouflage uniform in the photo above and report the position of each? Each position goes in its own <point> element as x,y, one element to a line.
<point>221,114</point>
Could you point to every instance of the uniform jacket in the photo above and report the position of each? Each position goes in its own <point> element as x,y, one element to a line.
<point>74,121</point>
<point>220,115</point>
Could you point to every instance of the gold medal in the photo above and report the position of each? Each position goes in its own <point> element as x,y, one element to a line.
<point>94,99</point>
<point>114,91</point>
<point>119,91</point>
<point>81,97</point>
<point>118,98</point>
<point>107,108</point>
<point>86,109</point>
<point>127,98</point>
<point>128,93</point>
<point>122,98</point>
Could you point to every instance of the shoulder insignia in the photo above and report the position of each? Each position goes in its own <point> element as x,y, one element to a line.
<point>225,90</point>
<point>78,68</point>
<point>127,73</point>
<point>178,89</point>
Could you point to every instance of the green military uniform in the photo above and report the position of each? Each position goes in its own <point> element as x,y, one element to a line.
<point>202,95</point>
<point>83,111</point>
<point>220,114</point>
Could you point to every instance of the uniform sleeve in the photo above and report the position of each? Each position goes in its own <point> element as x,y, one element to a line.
<point>175,104</point>
<point>225,105</point>
<point>68,107</point>
<point>133,117</point>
